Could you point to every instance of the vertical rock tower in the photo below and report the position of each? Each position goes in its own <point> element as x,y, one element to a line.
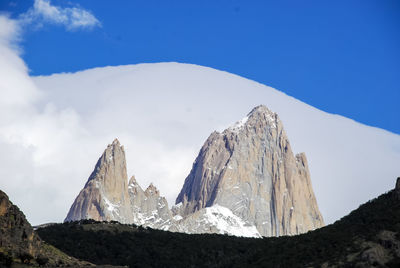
<point>250,169</point>
<point>105,196</point>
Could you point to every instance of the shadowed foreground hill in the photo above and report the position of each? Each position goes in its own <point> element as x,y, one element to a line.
<point>367,237</point>
<point>20,246</point>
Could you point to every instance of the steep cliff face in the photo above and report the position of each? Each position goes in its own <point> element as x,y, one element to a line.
<point>105,195</point>
<point>250,169</point>
<point>108,197</point>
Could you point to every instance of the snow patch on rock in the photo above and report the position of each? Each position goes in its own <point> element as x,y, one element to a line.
<point>217,219</point>
<point>239,124</point>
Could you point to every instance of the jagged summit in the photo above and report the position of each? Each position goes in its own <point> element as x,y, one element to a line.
<point>259,114</point>
<point>132,181</point>
<point>105,195</point>
<point>250,169</point>
<point>116,142</point>
<point>247,176</point>
<point>151,189</point>
<point>113,155</point>
<point>133,185</point>
<point>260,109</point>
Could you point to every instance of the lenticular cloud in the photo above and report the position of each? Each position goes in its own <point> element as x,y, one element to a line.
<point>164,112</point>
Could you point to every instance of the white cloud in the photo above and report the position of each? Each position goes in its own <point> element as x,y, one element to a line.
<point>164,112</point>
<point>54,128</point>
<point>73,18</point>
<point>16,87</point>
<point>9,31</point>
<point>31,135</point>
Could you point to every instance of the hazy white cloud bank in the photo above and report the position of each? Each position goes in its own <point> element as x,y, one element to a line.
<point>73,18</point>
<point>31,136</point>
<point>54,128</point>
<point>164,112</point>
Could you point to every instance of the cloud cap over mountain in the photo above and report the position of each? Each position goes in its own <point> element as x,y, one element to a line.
<point>54,127</point>
<point>164,111</point>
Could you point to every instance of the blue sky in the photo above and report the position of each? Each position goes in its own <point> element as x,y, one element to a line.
<point>340,56</point>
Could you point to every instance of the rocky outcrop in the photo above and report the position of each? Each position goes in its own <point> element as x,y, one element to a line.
<point>19,243</point>
<point>397,188</point>
<point>16,234</point>
<point>148,207</point>
<point>105,196</point>
<point>250,169</point>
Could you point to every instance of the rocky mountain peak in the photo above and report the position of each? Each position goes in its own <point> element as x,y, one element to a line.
<point>250,169</point>
<point>113,150</point>
<point>132,181</point>
<point>263,114</point>
<point>259,117</point>
<point>134,187</point>
<point>105,195</point>
<point>115,142</point>
<point>259,111</point>
<point>148,207</point>
<point>152,190</point>
<point>247,176</point>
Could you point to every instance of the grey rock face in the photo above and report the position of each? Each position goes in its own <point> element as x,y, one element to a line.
<point>108,197</point>
<point>105,195</point>
<point>148,207</point>
<point>251,169</point>
<point>245,181</point>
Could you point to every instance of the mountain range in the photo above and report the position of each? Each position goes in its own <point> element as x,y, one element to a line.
<point>246,181</point>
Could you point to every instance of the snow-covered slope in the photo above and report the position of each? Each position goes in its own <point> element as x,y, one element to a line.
<point>217,219</point>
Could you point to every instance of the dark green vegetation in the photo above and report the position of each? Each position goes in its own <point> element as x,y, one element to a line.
<point>20,246</point>
<point>369,236</point>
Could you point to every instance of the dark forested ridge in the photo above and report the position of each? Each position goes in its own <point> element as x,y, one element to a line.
<point>368,236</point>
<point>20,246</point>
